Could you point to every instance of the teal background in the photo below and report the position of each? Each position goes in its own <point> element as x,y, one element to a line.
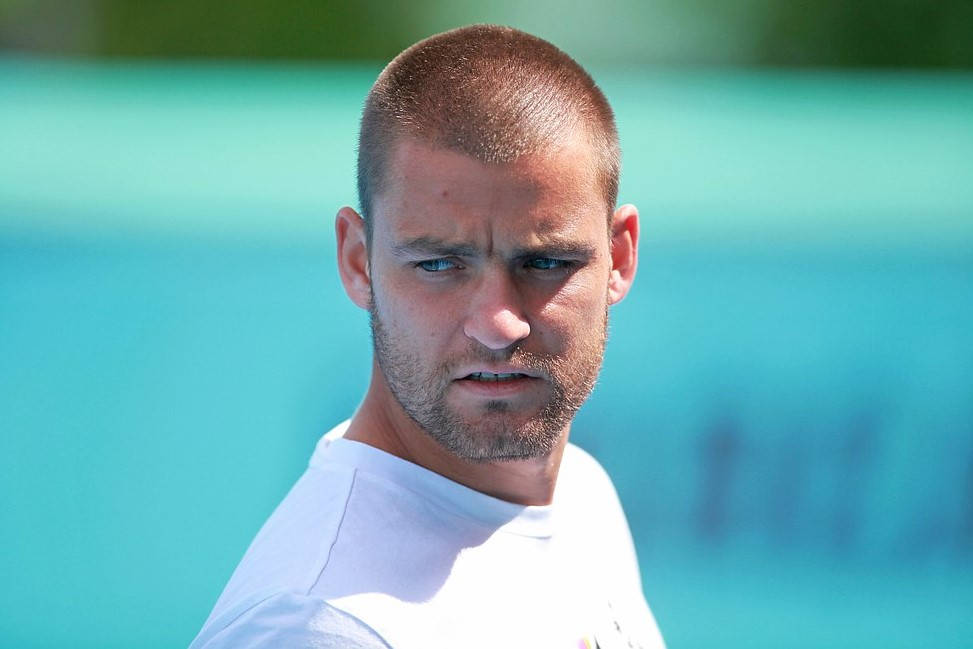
<point>787,399</point>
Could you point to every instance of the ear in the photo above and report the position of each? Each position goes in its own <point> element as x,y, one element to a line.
<point>624,252</point>
<point>352,249</point>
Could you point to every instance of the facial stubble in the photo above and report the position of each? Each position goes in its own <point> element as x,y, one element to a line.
<point>499,432</point>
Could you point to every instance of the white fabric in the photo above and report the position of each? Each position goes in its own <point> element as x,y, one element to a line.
<point>368,550</point>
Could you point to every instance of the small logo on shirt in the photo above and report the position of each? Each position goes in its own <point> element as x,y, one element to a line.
<point>610,635</point>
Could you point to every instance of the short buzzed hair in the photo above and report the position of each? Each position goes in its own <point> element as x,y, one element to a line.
<point>493,93</point>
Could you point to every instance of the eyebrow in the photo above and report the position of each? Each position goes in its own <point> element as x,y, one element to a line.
<point>556,248</point>
<point>433,247</point>
<point>436,247</point>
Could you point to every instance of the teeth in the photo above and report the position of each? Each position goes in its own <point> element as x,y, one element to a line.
<point>489,376</point>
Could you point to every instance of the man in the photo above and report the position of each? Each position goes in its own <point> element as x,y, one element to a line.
<point>451,510</point>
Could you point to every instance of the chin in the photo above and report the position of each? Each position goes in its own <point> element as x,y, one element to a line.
<point>496,436</point>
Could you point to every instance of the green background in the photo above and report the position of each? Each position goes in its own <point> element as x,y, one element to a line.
<point>786,404</point>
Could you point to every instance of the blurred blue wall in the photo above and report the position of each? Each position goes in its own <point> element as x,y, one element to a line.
<point>787,400</point>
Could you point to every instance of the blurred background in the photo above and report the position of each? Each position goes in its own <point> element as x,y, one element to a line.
<point>787,400</point>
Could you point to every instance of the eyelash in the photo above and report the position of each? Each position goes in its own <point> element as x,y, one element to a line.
<point>424,265</point>
<point>537,263</point>
<point>554,263</point>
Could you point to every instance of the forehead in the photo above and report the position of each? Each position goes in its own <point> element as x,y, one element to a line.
<point>427,188</point>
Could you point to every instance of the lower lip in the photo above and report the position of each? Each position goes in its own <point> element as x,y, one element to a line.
<point>497,388</point>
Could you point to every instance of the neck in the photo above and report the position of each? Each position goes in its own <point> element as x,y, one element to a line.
<point>381,422</point>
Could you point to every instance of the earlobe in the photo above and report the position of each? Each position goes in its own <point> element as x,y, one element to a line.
<point>352,251</point>
<point>624,252</point>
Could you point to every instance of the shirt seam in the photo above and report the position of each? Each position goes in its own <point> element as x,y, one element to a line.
<point>240,614</point>
<point>271,596</point>
<point>446,504</point>
<point>357,619</point>
<point>337,533</point>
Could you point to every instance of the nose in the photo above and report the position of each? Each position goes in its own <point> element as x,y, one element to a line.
<point>495,318</point>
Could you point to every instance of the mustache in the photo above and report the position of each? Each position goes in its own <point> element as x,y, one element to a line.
<point>543,365</point>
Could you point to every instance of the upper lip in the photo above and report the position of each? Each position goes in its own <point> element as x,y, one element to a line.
<point>497,369</point>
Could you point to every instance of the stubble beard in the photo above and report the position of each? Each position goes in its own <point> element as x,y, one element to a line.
<point>498,432</point>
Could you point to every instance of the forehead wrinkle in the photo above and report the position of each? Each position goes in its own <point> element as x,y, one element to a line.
<point>462,206</point>
<point>541,171</point>
<point>521,173</point>
<point>554,229</point>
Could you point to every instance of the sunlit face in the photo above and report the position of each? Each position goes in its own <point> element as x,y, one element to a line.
<point>490,294</point>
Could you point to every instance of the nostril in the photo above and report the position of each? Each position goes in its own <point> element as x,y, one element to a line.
<point>498,331</point>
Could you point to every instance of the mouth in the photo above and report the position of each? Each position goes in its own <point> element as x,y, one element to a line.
<point>496,385</point>
<point>490,377</point>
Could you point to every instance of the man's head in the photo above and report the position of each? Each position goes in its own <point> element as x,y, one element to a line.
<point>493,93</point>
<point>488,164</point>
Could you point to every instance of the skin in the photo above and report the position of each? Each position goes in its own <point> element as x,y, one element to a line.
<point>478,267</point>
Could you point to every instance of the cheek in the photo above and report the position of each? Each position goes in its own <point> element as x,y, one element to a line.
<point>421,316</point>
<point>577,310</point>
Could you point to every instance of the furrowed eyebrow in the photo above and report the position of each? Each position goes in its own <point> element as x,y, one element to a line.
<point>433,247</point>
<point>556,249</point>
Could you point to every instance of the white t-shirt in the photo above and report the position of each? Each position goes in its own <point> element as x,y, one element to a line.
<point>369,550</point>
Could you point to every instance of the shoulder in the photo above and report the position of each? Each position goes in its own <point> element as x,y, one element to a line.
<point>293,546</point>
<point>589,505</point>
<point>583,479</point>
<point>593,512</point>
<point>289,620</point>
<point>597,517</point>
<point>579,460</point>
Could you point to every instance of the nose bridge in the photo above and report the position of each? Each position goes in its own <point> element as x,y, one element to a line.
<point>496,317</point>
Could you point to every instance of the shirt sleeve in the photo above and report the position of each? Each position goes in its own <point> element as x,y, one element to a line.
<point>293,621</point>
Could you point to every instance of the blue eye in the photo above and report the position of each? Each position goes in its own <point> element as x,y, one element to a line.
<point>436,265</point>
<point>546,263</point>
